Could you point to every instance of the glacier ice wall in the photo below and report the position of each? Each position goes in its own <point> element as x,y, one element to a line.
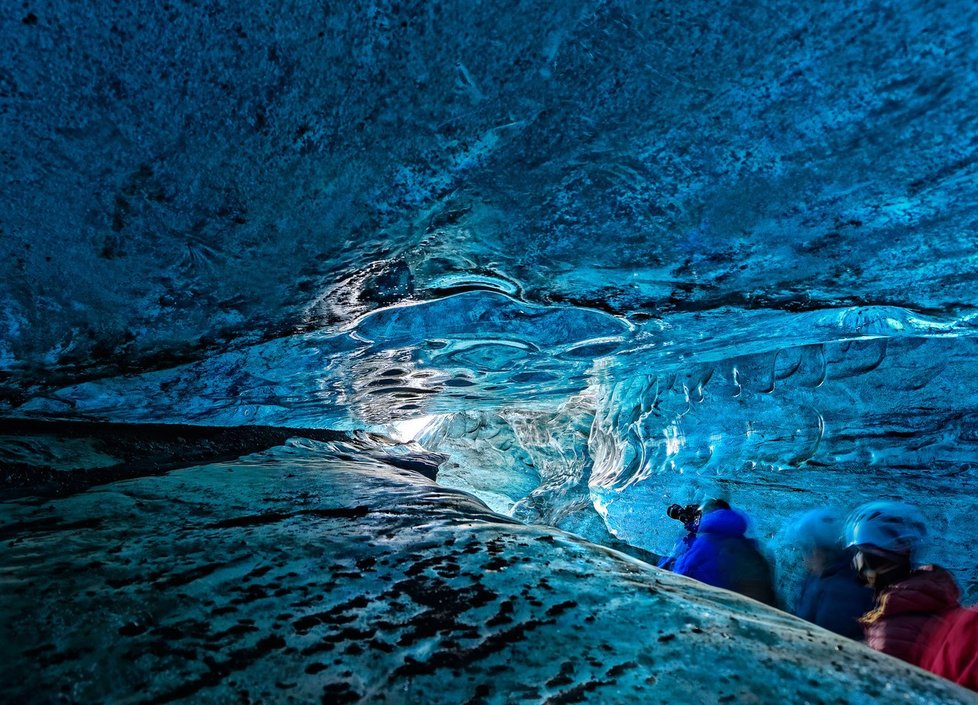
<point>620,253</point>
<point>833,424</point>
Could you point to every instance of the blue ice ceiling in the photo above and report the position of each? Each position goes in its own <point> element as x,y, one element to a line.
<point>621,253</point>
<point>184,178</point>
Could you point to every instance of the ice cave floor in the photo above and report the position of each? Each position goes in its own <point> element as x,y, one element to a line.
<point>315,571</point>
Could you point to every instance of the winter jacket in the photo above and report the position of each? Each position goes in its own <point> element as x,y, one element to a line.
<point>835,600</point>
<point>681,547</point>
<point>722,556</point>
<point>908,612</point>
<point>953,651</point>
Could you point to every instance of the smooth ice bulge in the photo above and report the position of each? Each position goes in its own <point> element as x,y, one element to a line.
<point>352,580</point>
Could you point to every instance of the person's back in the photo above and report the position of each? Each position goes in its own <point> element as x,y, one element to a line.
<point>909,611</point>
<point>835,599</point>
<point>722,556</point>
<point>911,604</point>
<point>831,594</point>
<point>952,652</point>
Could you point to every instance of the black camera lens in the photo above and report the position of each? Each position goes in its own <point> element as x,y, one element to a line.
<point>686,515</point>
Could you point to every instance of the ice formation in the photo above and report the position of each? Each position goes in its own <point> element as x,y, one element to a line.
<point>300,303</point>
<point>319,572</point>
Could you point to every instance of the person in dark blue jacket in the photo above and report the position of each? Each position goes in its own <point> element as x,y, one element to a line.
<point>690,516</point>
<point>723,556</point>
<point>831,594</point>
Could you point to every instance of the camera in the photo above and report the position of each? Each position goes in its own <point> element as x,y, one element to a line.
<point>686,515</point>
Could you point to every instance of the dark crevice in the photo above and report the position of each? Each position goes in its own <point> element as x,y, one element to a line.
<point>140,449</point>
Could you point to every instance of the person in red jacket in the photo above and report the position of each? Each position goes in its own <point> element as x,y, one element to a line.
<point>911,603</point>
<point>953,651</point>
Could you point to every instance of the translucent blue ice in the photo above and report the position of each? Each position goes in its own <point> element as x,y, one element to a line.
<point>602,256</point>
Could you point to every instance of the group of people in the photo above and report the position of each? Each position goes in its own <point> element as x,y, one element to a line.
<point>861,579</point>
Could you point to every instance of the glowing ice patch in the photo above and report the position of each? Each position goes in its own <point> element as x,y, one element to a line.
<point>674,439</point>
<point>409,429</point>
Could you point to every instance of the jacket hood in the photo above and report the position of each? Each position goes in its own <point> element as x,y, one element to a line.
<point>724,522</point>
<point>929,589</point>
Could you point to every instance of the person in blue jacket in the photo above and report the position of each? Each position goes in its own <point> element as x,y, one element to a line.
<point>690,516</point>
<point>831,594</point>
<point>721,555</point>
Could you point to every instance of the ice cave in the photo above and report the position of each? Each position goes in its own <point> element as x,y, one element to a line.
<point>353,352</point>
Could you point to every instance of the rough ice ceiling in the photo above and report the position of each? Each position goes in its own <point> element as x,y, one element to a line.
<point>620,253</point>
<point>181,179</point>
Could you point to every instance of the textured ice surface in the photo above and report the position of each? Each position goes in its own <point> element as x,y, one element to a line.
<point>183,178</point>
<point>837,423</point>
<point>620,253</point>
<point>463,351</point>
<point>314,572</point>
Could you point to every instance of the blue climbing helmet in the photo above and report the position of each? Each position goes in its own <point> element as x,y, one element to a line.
<point>819,528</point>
<point>893,527</point>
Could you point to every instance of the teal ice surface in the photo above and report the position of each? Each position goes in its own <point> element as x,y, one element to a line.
<point>185,180</point>
<point>603,256</point>
<point>315,572</point>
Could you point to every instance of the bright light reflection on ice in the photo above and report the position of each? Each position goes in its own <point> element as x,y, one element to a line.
<point>409,429</point>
